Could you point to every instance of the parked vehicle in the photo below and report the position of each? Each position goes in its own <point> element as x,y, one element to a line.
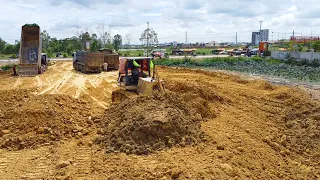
<point>31,60</point>
<point>86,62</point>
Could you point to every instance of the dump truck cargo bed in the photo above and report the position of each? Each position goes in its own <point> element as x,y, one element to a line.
<point>88,62</point>
<point>30,51</point>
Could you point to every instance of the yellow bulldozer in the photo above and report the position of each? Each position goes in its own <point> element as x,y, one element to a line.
<point>137,76</point>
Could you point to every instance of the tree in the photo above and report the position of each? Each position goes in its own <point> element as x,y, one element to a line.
<point>2,45</point>
<point>45,39</point>
<point>128,38</point>
<point>149,37</point>
<point>84,37</point>
<point>117,41</point>
<point>316,46</point>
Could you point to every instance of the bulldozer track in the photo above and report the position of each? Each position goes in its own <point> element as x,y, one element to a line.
<point>17,160</point>
<point>83,162</point>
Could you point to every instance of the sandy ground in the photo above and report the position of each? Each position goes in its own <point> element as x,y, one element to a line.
<point>239,145</point>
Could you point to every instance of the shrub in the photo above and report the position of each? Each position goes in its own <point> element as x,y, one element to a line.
<point>139,54</point>
<point>65,55</point>
<point>13,56</point>
<point>203,53</point>
<point>7,67</point>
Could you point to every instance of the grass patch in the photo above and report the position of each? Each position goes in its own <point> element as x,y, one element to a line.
<point>255,65</point>
<point>7,67</point>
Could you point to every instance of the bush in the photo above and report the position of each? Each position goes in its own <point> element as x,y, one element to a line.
<point>125,54</point>
<point>139,54</point>
<point>65,55</point>
<point>203,53</point>
<point>7,67</point>
<point>13,56</point>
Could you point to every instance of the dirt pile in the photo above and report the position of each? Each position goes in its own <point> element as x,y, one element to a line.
<point>300,123</point>
<point>197,96</point>
<point>28,120</point>
<point>149,123</point>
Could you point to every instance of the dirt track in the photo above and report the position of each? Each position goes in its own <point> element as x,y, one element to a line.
<point>258,131</point>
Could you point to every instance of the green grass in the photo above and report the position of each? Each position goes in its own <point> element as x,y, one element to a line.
<point>135,53</point>
<point>7,67</point>
<point>254,65</point>
<point>204,51</point>
<point>5,56</point>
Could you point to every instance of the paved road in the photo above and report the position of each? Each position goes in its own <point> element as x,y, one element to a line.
<point>8,61</point>
<point>198,57</point>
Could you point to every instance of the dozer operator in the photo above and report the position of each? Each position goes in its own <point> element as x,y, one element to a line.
<point>136,78</point>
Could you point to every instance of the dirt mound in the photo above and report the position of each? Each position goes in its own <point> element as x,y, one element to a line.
<point>149,123</point>
<point>300,123</point>
<point>28,120</point>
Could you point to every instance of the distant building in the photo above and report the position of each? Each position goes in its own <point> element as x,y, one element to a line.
<point>261,36</point>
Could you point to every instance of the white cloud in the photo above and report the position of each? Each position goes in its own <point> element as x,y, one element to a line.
<point>204,20</point>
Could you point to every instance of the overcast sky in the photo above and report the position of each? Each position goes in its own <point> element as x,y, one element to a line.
<point>204,20</point>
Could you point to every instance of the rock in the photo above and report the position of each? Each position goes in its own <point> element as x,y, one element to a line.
<point>85,132</point>
<point>283,138</point>
<point>79,134</point>
<point>220,147</point>
<point>276,146</point>
<point>240,149</point>
<point>46,130</point>
<point>6,131</point>
<point>62,164</point>
<point>40,130</point>
<point>89,118</point>
<point>285,152</point>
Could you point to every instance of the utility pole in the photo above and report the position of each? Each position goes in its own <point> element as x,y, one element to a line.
<point>186,37</point>
<point>293,33</point>
<point>236,38</point>
<point>147,39</point>
<point>285,36</point>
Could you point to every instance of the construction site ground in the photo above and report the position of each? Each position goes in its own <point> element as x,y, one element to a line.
<point>254,130</point>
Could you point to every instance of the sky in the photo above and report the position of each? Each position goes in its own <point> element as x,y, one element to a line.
<point>203,20</point>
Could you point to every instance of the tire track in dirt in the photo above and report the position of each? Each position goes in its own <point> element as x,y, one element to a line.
<point>17,83</point>
<point>39,82</point>
<point>57,86</point>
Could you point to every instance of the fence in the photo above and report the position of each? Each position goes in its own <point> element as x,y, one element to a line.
<point>308,56</point>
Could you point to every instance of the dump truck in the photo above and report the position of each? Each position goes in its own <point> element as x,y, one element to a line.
<point>31,60</point>
<point>86,62</point>
<point>111,58</point>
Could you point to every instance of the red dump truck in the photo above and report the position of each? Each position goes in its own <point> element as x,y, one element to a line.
<point>31,60</point>
<point>86,62</point>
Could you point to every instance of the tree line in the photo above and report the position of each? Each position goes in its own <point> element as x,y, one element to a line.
<point>67,46</point>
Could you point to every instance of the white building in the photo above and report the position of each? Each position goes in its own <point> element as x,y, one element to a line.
<point>261,36</point>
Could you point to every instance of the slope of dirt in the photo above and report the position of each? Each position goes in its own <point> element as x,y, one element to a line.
<point>28,120</point>
<point>149,123</point>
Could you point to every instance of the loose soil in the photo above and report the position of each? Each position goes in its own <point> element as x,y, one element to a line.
<point>253,129</point>
<point>28,120</point>
<point>148,123</point>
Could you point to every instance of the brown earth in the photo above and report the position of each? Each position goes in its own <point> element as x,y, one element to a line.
<point>254,130</point>
<point>149,123</point>
<point>28,120</point>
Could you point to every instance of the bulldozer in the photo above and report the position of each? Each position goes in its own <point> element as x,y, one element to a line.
<point>137,76</point>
